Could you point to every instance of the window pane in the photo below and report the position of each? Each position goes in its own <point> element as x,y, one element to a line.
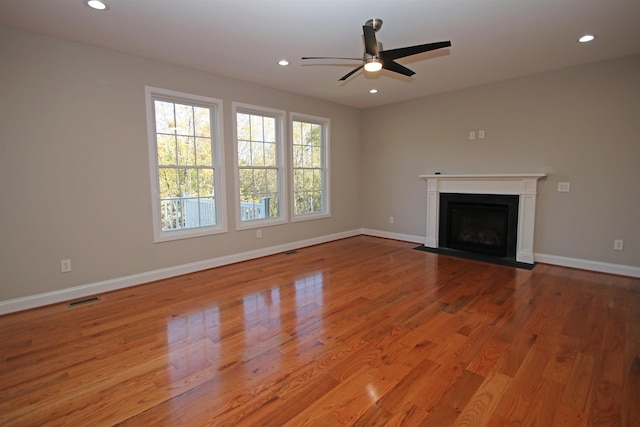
<point>244,153</point>
<point>165,120</point>
<point>184,120</point>
<point>317,180</point>
<point>270,154</point>
<point>189,182</point>
<point>205,183</point>
<point>297,133</point>
<point>186,151</point>
<point>246,184</point>
<point>271,177</point>
<point>256,128</point>
<point>316,158</point>
<point>244,129</point>
<point>259,182</point>
<point>298,180</point>
<point>207,212</point>
<point>257,154</point>
<point>203,152</point>
<point>269,129</point>
<point>169,183</point>
<point>274,207</point>
<point>202,121</point>
<point>316,202</point>
<point>297,156</point>
<point>306,133</point>
<point>166,145</point>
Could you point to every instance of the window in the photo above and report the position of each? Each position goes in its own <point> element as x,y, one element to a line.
<point>259,161</point>
<point>310,164</point>
<point>185,156</point>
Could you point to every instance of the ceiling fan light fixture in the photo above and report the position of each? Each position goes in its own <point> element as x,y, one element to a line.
<point>372,65</point>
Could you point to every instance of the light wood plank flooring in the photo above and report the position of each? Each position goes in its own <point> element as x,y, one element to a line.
<point>361,331</point>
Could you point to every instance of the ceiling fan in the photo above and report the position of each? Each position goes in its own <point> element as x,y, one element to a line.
<point>375,58</point>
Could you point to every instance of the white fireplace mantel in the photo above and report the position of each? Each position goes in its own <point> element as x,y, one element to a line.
<point>524,185</point>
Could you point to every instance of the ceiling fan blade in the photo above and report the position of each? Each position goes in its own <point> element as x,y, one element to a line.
<point>370,42</point>
<point>392,54</point>
<point>350,73</point>
<point>397,68</point>
<point>331,57</point>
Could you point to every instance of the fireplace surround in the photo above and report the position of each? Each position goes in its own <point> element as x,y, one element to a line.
<point>522,185</point>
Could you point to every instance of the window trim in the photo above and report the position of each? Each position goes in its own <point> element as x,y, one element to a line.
<point>217,150</point>
<point>281,161</point>
<point>325,123</point>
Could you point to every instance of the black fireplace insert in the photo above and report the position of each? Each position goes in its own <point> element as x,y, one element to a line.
<point>486,224</point>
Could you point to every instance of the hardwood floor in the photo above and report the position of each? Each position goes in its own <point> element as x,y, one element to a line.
<point>362,331</point>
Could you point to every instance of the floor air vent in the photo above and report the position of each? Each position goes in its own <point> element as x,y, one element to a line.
<point>291,252</point>
<point>83,301</point>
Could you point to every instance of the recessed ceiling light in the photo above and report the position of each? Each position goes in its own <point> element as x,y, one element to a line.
<point>586,38</point>
<point>283,62</point>
<point>96,4</point>
<point>373,91</point>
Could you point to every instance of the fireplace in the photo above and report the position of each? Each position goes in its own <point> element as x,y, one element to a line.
<point>486,224</point>
<point>522,186</point>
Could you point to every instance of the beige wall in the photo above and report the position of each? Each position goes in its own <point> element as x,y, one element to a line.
<point>75,178</point>
<point>581,125</point>
<point>74,165</point>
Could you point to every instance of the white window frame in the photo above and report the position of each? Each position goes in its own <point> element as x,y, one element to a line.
<point>217,151</point>
<point>325,123</point>
<point>281,156</point>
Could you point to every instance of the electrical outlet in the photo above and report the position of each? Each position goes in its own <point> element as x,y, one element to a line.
<point>65,265</point>
<point>259,233</point>
<point>481,134</point>
<point>618,244</point>
<point>390,220</point>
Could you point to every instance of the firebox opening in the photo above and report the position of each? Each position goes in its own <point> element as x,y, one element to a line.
<point>479,223</point>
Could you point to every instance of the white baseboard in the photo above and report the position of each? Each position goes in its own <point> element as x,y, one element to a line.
<point>396,236</point>
<point>39,300</point>
<point>583,264</point>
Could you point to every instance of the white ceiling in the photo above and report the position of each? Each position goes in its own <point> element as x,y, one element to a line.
<point>492,40</point>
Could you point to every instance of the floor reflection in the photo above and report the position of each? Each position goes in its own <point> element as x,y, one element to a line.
<point>239,342</point>
<point>309,300</point>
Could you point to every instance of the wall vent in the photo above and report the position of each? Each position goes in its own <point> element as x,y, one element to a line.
<point>83,301</point>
